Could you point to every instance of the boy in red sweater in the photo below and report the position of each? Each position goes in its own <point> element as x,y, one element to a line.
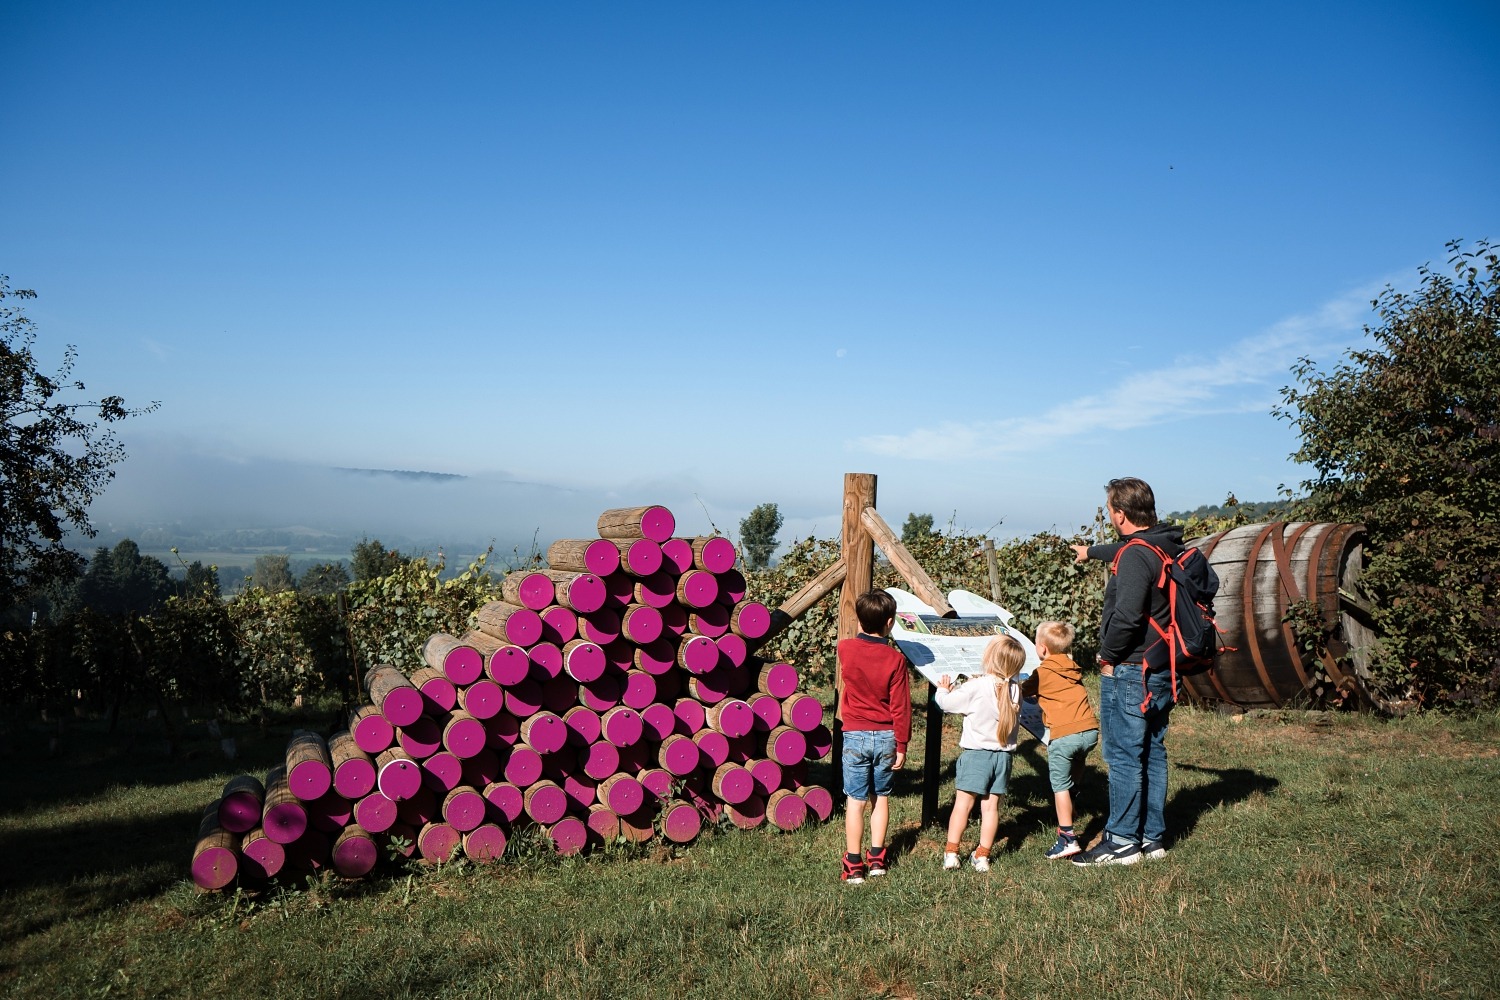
<point>875,709</point>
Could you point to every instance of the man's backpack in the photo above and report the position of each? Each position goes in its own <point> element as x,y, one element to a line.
<point>1190,643</point>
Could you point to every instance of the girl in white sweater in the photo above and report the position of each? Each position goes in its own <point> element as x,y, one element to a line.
<point>990,705</point>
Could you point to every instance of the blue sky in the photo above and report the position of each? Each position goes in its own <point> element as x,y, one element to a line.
<point>711,255</point>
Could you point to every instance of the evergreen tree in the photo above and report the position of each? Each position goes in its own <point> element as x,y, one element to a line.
<point>758,535</point>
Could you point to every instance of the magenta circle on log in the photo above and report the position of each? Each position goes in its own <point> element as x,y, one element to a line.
<point>622,793</point>
<point>601,556</point>
<point>523,700</point>
<point>581,790</point>
<point>601,627</point>
<point>657,523</point>
<point>733,783</point>
<point>569,835</point>
<point>599,760</point>
<point>374,733</point>
<point>443,772</point>
<point>546,802</point>
<point>439,693</point>
<point>735,718</point>
<point>691,714</point>
<point>524,768</point>
<point>464,809</point>
<point>399,779</point>
<point>523,627</point>
<point>240,812</point>
<point>484,843</point>
<point>641,624</point>
<point>464,737</point>
<point>284,822</point>
<point>659,721</point>
<point>584,661</point>
<point>767,775</point>
<point>559,625</point>
<point>779,680</point>
<point>733,649</point>
<point>716,555</point>
<point>713,745</point>
<point>749,814</point>
<point>559,694</point>
<point>698,654</point>
<point>742,749</point>
<point>806,712</point>
<point>786,745</point>
<point>712,621</point>
<point>263,858</point>
<point>215,867</point>
<point>677,555</point>
<point>698,588</point>
<point>421,739</point>
<point>767,711</point>
<point>463,664</point>
<point>353,778</point>
<point>600,695</point>
<point>585,592</point>
<point>679,755</point>
<point>705,690</point>
<point>482,768</point>
<point>674,619</point>
<point>820,742</point>
<point>535,591</point>
<point>622,726</point>
<point>331,813</point>
<point>544,732</point>
<point>583,725</point>
<point>656,781</point>
<point>681,822</point>
<point>641,557</point>
<point>751,619</point>
<point>732,586</point>
<point>504,730</point>
<point>657,591</point>
<point>354,857</point>
<point>506,800</point>
<point>508,665</point>
<point>640,690</point>
<point>546,660</point>
<point>819,800</point>
<point>603,824</point>
<point>375,813</point>
<point>656,658</point>
<point>620,587</point>
<point>786,810</point>
<point>402,706</point>
<point>437,841</point>
<point>483,698</point>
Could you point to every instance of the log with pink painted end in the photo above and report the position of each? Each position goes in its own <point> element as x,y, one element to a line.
<point>483,699</point>
<point>601,557</point>
<point>681,821</point>
<point>241,802</point>
<point>309,766</point>
<point>779,680</point>
<point>508,665</point>
<point>331,813</point>
<point>747,815</point>
<point>464,808</point>
<point>820,742</point>
<point>421,739</point>
<point>712,621</point>
<point>704,688</point>
<point>767,774</point>
<point>569,835</point>
<point>420,808</point>
<point>546,660</point>
<point>482,768</point>
<point>622,793</point>
<point>639,690</point>
<point>504,731</point>
<point>463,664</point>
<point>674,619</point>
<point>559,694</point>
<point>732,717</point>
<point>691,714</point>
<point>463,735</point>
<point>601,627</point>
<point>398,776</point>
<point>583,592</point>
<point>506,801</point>
<point>697,588</point>
<point>544,732</point>
<point>484,843</point>
<point>679,755</point>
<point>600,695</point>
<point>733,649</point>
<point>622,726</point>
<point>677,556</point>
<point>714,746</point>
<point>656,781</point>
<point>786,809</point>
<point>442,772</point>
<point>802,711</point>
<point>733,783</point>
<point>641,624</point>
<point>583,725</point>
<point>545,802</point>
<point>786,745</point>
<point>559,625</point>
<point>620,586</point>
<point>698,654</point>
<point>732,587</point>
<point>354,852</point>
<point>375,812</point>
<point>603,823</point>
<point>261,858</point>
<point>583,660</point>
<point>640,557</point>
<point>437,841</point>
<point>819,800</point>
<point>659,721</point>
<point>581,790</point>
<point>529,590</point>
<point>714,554</point>
<point>523,700</point>
<point>372,731</point>
<point>750,619</point>
<point>767,711</point>
<point>599,760</point>
<point>656,658</point>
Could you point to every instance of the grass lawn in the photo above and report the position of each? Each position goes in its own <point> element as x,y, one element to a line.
<point>1317,856</point>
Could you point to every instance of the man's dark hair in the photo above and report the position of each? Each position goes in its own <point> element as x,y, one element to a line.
<point>874,608</point>
<point>1134,499</point>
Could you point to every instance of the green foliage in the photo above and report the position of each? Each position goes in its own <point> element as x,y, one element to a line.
<point>1404,436</point>
<point>758,535</point>
<point>916,528</point>
<point>325,579</point>
<point>288,645</point>
<point>273,574</point>
<point>371,560</point>
<point>120,581</point>
<point>392,616</point>
<point>54,455</point>
<point>200,580</point>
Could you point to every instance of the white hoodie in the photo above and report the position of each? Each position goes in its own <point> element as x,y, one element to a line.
<point>975,701</point>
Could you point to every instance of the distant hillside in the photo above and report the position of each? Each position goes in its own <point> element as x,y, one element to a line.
<point>1255,510</point>
<point>403,474</point>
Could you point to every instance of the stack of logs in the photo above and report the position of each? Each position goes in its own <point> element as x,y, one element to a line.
<point>610,696</point>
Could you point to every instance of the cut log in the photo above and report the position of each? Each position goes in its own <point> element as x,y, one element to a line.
<point>442,772</point>
<point>353,768</point>
<point>641,624</point>
<point>622,726</point>
<point>241,803</point>
<point>284,817</point>
<point>602,626</point>
<point>372,731</point>
<point>482,769</point>
<point>261,858</point>
<point>657,781</point>
<point>505,732</point>
<point>506,800</point>
<point>581,790</point>
<point>680,821</point>
<point>622,793</point>
<point>747,815</point>
<point>620,586</point>
<point>545,802</point>
<point>484,699</point>
<point>583,725</point>
<point>786,809</point>
<point>732,649</point>
<point>583,660</point>
<point>559,694</point>
<point>677,556</point>
<point>698,654</point>
<point>639,689</point>
<point>459,661</point>
<point>394,695</point>
<point>659,721</point>
<point>600,695</point>
<point>484,843</point>
<point>439,694</point>
<point>653,522</point>
<point>599,760</point>
<point>750,619</point>
<point>732,587</point>
<point>779,680</point>
<point>397,775</point>
<point>732,783</point>
<point>504,663</point>
<point>767,775</point>
<point>713,745</point>
<point>216,856</point>
<point>604,825</point>
<point>523,699</point>
<point>655,658</point>
<point>714,553</point>
<point>638,828</point>
<point>375,813</point>
<point>639,558</point>
<point>509,623</point>
<point>569,835</point>
<point>802,711</point>
<point>767,711</point>
<point>586,555</point>
<point>559,625</point>
<point>420,809</point>
<point>546,660</point>
<point>545,733</point>
<point>674,618</point>
<point>437,842</point>
<point>354,853</point>
<point>421,739</point>
<point>732,717</point>
<point>579,592</point>
<point>819,800</point>
<point>527,589</point>
<point>697,588</point>
<point>657,591</point>
<point>463,808</point>
<point>712,621</point>
<point>786,745</point>
<point>820,742</point>
<point>679,755</point>
<point>691,714</point>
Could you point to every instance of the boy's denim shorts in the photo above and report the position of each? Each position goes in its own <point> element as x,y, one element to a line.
<point>868,756</point>
<point>1063,752</point>
<point>983,772</point>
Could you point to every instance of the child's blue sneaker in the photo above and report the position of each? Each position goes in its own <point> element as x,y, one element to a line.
<point>1065,847</point>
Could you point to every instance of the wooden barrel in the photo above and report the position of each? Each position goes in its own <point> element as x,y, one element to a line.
<point>1263,570</point>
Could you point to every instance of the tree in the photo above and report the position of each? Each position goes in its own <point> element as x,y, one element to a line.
<point>273,574</point>
<point>758,535</point>
<point>1404,436</point>
<point>201,581</point>
<point>917,527</point>
<point>324,579</point>
<point>372,560</point>
<point>56,455</point>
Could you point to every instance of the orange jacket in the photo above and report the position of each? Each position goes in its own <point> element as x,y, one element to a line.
<point>1058,686</point>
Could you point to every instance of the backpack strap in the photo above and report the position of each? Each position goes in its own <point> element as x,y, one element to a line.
<point>1164,581</point>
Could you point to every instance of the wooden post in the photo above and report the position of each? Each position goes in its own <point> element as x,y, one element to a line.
<point>994,568</point>
<point>858,557</point>
<point>911,571</point>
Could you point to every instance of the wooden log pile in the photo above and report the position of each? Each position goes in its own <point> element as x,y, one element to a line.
<point>612,695</point>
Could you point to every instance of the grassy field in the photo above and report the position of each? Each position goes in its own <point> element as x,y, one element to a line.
<point>1310,856</point>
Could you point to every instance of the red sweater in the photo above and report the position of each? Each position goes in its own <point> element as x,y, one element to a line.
<point>876,687</point>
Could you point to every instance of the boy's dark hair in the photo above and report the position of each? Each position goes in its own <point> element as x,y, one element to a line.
<point>874,608</point>
<point>1134,499</point>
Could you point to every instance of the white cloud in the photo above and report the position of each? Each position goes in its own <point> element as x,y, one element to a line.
<point>1243,377</point>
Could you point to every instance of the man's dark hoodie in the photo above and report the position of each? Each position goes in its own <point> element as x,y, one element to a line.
<point>1131,594</point>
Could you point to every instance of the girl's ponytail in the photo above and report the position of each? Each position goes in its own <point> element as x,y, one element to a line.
<point>1003,658</point>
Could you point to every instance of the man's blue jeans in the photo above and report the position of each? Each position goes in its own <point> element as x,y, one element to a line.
<point>1136,751</point>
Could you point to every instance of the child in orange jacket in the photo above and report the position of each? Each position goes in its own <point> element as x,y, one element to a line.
<point>1072,726</point>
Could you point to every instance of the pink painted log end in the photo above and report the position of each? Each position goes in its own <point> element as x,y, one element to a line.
<point>713,745</point>
<point>679,754</point>
<point>284,822</point>
<point>820,742</point>
<point>622,726</point>
<point>463,664</point>
<point>508,665</point>
<point>239,812</point>
<point>747,815</point>
<point>483,698</point>
<point>677,556</point>
<point>659,721</point>
<point>403,706</point>
<point>569,835</point>
<point>484,843</point>
<point>464,737</point>
<point>786,809</point>
<point>373,733</point>
<point>779,680</point>
<point>442,772</point>
<point>656,781</point>
<point>602,557</point>
<point>375,813</point>
<point>215,866</point>
<point>437,841</point>
<point>786,745</point>
<point>354,853</point>
<point>546,802</point>
<point>464,808</point>
<point>604,825</point>
<point>399,779</point>
<point>546,660</point>
<point>599,760</point>
<point>819,800</point>
<point>750,619</point>
<point>622,793</point>
<point>681,822</point>
<point>261,858</point>
<point>353,778</point>
<point>544,732</point>
<point>524,767</point>
<point>506,800</point>
<point>584,661</point>
<point>698,654</point>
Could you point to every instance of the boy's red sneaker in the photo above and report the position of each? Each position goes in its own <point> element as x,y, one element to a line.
<point>854,872</point>
<point>875,861</point>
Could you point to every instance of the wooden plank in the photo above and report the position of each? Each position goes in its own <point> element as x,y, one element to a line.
<point>911,571</point>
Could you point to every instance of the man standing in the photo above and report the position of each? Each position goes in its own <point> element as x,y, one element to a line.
<point>1135,704</point>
